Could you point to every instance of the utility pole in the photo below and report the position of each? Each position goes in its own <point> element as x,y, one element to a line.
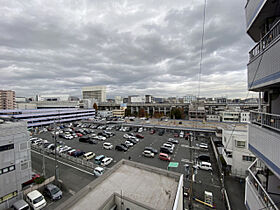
<point>55,155</point>
<point>191,175</point>
<point>44,164</point>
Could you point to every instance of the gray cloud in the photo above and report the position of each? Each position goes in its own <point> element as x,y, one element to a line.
<point>133,47</point>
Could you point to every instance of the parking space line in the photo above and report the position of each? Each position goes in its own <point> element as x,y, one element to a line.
<point>79,169</point>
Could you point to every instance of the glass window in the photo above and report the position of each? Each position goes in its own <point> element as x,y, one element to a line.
<point>6,147</point>
<point>5,170</point>
<point>240,144</point>
<point>11,168</point>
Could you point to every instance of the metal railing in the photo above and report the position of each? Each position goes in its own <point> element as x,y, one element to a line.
<point>265,41</point>
<point>266,199</point>
<point>65,157</point>
<point>271,121</point>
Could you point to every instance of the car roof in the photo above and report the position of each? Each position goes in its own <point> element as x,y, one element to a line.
<point>163,154</point>
<point>51,186</point>
<point>34,193</point>
<point>99,168</point>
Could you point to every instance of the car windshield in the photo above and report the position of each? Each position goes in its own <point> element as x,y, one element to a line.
<point>37,200</point>
<point>54,190</point>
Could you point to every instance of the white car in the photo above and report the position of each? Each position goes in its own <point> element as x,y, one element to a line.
<point>126,136</point>
<point>169,145</point>
<point>36,200</point>
<point>140,130</point>
<point>133,137</point>
<point>128,143</point>
<point>101,138</point>
<point>98,171</point>
<point>204,166</point>
<point>203,146</point>
<point>148,153</point>
<point>107,145</point>
<point>106,161</point>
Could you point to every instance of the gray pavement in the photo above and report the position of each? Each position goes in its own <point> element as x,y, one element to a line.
<point>204,180</point>
<point>236,191</point>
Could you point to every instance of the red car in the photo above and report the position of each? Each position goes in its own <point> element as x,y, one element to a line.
<point>139,136</point>
<point>176,134</point>
<point>33,177</point>
<point>152,131</point>
<point>164,156</point>
<point>79,134</point>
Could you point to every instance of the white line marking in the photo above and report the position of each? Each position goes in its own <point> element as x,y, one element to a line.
<point>65,163</point>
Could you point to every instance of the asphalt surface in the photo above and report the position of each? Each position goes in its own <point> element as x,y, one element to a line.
<point>75,180</point>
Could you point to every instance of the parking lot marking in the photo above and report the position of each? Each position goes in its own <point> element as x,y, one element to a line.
<point>186,161</point>
<point>72,192</point>
<point>79,169</point>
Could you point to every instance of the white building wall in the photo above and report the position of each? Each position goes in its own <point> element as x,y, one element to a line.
<point>51,97</point>
<point>245,117</point>
<point>236,142</point>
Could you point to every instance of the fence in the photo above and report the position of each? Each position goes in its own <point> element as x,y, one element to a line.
<point>65,157</point>
<point>271,121</point>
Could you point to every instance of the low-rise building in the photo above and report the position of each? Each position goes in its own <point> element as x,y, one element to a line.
<point>235,152</point>
<point>230,116</point>
<point>212,117</point>
<point>130,185</point>
<point>118,112</point>
<point>15,160</point>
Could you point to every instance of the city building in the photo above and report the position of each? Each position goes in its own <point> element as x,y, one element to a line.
<point>189,98</point>
<point>130,185</point>
<point>136,99</point>
<point>262,187</point>
<point>53,97</point>
<point>40,117</point>
<point>118,112</point>
<point>213,117</point>
<point>244,117</point>
<point>235,150</point>
<point>118,100</point>
<point>149,99</point>
<point>7,99</point>
<point>104,113</point>
<point>230,116</point>
<point>94,92</point>
<point>15,160</point>
<point>197,111</point>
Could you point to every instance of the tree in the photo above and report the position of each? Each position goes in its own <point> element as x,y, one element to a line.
<point>95,106</point>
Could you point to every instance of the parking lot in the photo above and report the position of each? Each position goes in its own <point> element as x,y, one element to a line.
<point>203,180</point>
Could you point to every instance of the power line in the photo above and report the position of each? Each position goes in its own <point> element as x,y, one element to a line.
<point>201,48</point>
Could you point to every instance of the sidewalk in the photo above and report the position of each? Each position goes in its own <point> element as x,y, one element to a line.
<point>236,192</point>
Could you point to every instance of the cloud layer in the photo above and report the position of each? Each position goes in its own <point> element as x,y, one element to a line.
<point>132,47</point>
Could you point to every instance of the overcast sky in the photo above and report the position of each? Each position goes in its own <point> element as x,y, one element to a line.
<point>132,47</point>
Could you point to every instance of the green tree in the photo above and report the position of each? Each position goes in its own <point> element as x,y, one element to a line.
<point>95,106</point>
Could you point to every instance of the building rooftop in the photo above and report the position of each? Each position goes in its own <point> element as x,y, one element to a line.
<point>142,185</point>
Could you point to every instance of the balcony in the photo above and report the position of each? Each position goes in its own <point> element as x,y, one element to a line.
<point>256,197</point>
<point>264,65</point>
<point>264,139</point>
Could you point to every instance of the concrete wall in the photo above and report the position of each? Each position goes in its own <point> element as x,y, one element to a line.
<point>20,157</point>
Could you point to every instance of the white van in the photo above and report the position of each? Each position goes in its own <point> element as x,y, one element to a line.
<point>36,200</point>
<point>89,155</point>
<point>106,161</point>
<point>205,166</point>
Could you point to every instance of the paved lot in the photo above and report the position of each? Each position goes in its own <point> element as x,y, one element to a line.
<point>204,180</point>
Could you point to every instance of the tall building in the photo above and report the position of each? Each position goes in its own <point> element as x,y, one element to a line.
<point>15,160</point>
<point>263,182</point>
<point>7,99</point>
<point>94,92</point>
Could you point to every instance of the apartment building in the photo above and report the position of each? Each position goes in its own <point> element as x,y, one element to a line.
<point>94,92</point>
<point>7,99</point>
<point>235,150</point>
<point>15,160</point>
<point>262,188</point>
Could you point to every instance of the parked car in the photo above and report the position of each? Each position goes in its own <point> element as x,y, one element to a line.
<point>165,150</point>
<point>33,177</point>
<point>71,152</point>
<point>88,155</point>
<point>153,150</point>
<point>148,153</point>
<point>107,145</point>
<point>204,166</point>
<point>126,136</point>
<point>140,130</point>
<point>124,145</point>
<point>98,171</point>
<point>36,200</point>
<point>78,153</point>
<point>98,159</point>
<point>181,134</point>
<point>169,145</point>
<point>132,141</point>
<point>203,145</point>
<point>173,141</point>
<point>79,134</point>
<point>139,136</point>
<point>152,131</point>
<point>176,135</point>
<point>92,141</point>
<point>84,139</point>
<point>106,161</point>
<point>53,192</point>
<point>128,143</point>
<point>20,205</point>
<point>161,132</point>
<point>164,156</point>
<point>120,148</point>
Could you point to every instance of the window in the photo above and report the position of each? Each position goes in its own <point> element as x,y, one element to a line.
<point>24,166</point>
<point>11,168</point>
<point>5,170</point>
<point>8,196</point>
<point>240,144</point>
<point>6,147</point>
<point>248,158</point>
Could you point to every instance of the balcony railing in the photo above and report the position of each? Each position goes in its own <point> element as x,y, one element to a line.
<point>267,201</point>
<point>265,41</point>
<point>271,121</point>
